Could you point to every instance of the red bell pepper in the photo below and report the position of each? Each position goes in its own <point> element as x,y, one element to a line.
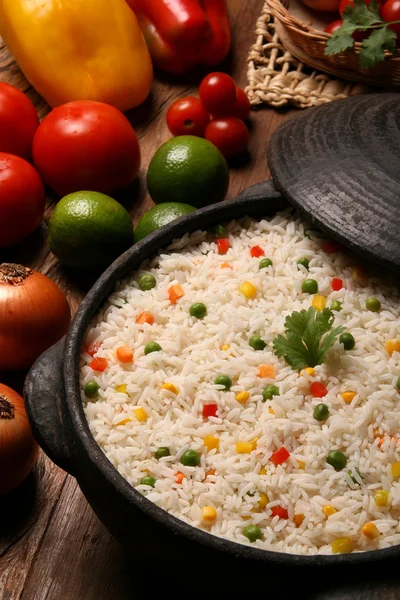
<point>182,34</point>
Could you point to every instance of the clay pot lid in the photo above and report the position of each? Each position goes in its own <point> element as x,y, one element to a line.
<point>340,165</point>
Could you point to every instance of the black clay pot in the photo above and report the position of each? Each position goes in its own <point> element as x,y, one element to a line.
<point>55,410</point>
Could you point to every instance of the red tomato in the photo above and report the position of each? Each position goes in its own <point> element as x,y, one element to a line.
<point>344,3</point>
<point>210,410</point>
<point>93,349</point>
<point>86,145</point>
<point>242,107</point>
<point>322,5</point>
<point>22,199</point>
<point>187,116</point>
<point>256,252</point>
<point>223,245</point>
<point>337,284</point>
<point>230,135</point>
<point>279,511</point>
<point>280,456</point>
<point>390,11</point>
<point>218,94</point>
<point>318,390</point>
<point>332,27</point>
<point>18,122</point>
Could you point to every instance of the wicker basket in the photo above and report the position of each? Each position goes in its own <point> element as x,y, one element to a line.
<point>307,43</point>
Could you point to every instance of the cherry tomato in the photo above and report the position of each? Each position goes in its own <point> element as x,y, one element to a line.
<point>242,107</point>
<point>22,199</point>
<point>18,122</point>
<point>332,27</point>
<point>322,5</point>
<point>86,145</point>
<point>344,3</point>
<point>390,11</point>
<point>187,116</point>
<point>230,135</point>
<point>218,94</point>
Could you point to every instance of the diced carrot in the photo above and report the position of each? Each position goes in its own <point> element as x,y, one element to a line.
<point>389,437</point>
<point>179,477</point>
<point>298,519</point>
<point>124,354</point>
<point>175,292</point>
<point>266,371</point>
<point>226,265</point>
<point>145,317</point>
<point>99,364</point>
<point>210,472</point>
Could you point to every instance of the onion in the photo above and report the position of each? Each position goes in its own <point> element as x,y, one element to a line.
<point>18,449</point>
<point>34,315</point>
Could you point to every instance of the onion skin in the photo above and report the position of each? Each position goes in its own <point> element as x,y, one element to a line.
<point>18,449</point>
<point>34,315</point>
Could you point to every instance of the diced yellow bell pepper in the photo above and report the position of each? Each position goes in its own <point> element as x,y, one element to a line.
<point>244,447</point>
<point>170,387</point>
<point>263,501</point>
<point>262,471</point>
<point>211,442</point>
<point>79,50</point>
<point>124,422</point>
<point>396,469</point>
<point>141,414</point>
<point>343,545</point>
<point>348,396</point>
<point>208,514</point>
<point>225,347</point>
<point>328,510</point>
<point>309,371</point>
<point>392,346</point>
<point>370,531</point>
<point>381,497</point>
<point>248,290</point>
<point>121,388</point>
<point>271,411</point>
<point>254,443</point>
<point>242,397</point>
<point>319,302</point>
<point>301,464</point>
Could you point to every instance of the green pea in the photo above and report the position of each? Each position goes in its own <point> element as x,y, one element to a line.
<point>269,392</point>
<point>198,310</point>
<point>347,340</point>
<point>373,304</point>
<point>309,286</point>
<point>321,412</point>
<point>336,305</point>
<point>264,263</point>
<point>252,532</point>
<point>304,262</point>
<point>337,459</point>
<point>224,380</point>
<point>161,452</point>
<point>148,481</point>
<point>147,282</point>
<point>257,343</point>
<point>398,384</point>
<point>190,458</point>
<point>91,389</point>
<point>152,347</point>
<point>220,231</point>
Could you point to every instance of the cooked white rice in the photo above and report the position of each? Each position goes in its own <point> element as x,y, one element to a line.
<point>191,358</point>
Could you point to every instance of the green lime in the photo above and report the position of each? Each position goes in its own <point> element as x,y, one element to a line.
<point>89,229</point>
<point>188,169</point>
<point>160,215</point>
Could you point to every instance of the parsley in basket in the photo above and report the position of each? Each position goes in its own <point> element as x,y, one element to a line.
<point>361,17</point>
<point>309,336</point>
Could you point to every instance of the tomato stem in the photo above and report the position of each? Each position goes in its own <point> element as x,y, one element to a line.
<point>7,410</point>
<point>12,274</point>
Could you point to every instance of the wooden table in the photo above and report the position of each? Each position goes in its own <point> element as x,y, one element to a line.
<point>52,546</point>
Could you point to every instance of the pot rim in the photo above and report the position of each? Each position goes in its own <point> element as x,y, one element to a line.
<point>72,403</point>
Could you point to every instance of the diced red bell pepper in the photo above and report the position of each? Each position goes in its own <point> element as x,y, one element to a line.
<point>223,245</point>
<point>337,284</point>
<point>280,456</point>
<point>99,364</point>
<point>318,390</point>
<point>182,34</point>
<point>93,348</point>
<point>330,246</point>
<point>256,251</point>
<point>210,410</point>
<point>279,511</point>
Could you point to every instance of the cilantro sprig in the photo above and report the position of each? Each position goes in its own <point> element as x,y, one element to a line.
<point>309,336</point>
<point>361,17</point>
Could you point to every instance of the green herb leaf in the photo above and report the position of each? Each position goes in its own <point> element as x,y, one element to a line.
<point>307,339</point>
<point>373,48</point>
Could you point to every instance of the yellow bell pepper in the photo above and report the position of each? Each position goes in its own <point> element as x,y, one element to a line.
<point>79,50</point>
